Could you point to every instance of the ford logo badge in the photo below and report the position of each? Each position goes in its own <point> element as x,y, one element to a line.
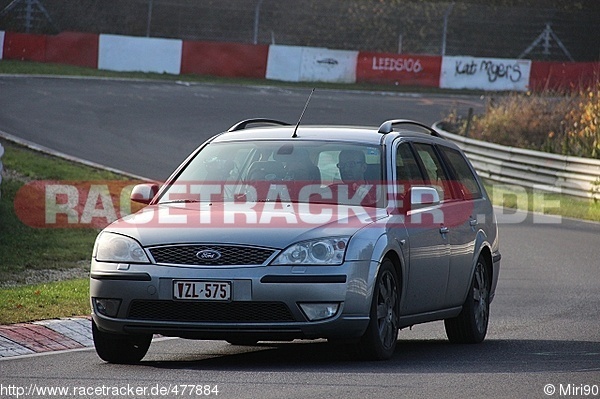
<point>208,254</point>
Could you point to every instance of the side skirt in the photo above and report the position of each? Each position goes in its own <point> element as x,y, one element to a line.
<point>410,320</point>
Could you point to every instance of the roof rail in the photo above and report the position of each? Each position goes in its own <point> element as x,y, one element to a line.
<point>243,124</point>
<point>388,126</point>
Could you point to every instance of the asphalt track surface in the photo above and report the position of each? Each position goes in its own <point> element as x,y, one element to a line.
<point>149,127</point>
<point>545,325</point>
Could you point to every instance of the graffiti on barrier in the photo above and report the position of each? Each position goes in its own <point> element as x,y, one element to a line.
<point>493,70</point>
<point>485,73</point>
<point>397,64</point>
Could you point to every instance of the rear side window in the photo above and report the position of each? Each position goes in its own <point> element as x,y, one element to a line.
<point>468,183</point>
<point>407,169</point>
<point>434,171</point>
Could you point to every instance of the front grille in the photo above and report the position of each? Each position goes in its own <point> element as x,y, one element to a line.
<point>220,312</point>
<point>228,255</point>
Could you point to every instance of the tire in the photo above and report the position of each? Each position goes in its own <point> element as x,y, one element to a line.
<point>118,348</point>
<point>470,326</point>
<point>379,341</point>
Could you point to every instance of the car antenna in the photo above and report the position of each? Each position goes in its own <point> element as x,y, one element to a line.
<point>302,114</point>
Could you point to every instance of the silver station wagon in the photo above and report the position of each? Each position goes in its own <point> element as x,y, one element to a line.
<point>271,232</point>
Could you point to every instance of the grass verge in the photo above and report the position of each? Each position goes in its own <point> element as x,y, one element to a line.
<point>30,254</point>
<point>45,301</point>
<point>517,197</point>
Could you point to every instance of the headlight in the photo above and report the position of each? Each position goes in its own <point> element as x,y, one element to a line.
<point>112,247</point>
<point>323,251</point>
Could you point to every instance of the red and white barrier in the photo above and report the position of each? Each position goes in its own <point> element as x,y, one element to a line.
<point>284,62</point>
<point>311,64</point>
<point>71,48</point>
<point>143,54</point>
<point>224,59</point>
<point>563,75</point>
<point>294,63</point>
<point>398,69</point>
<point>24,47</point>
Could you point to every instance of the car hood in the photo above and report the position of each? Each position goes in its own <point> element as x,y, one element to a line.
<point>273,225</point>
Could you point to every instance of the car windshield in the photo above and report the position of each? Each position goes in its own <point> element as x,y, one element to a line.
<point>299,171</point>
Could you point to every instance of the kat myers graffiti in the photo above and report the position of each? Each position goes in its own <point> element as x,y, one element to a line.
<point>493,69</point>
<point>485,73</point>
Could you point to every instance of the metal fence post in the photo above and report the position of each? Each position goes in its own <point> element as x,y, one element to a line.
<point>256,21</point>
<point>445,32</point>
<point>149,18</point>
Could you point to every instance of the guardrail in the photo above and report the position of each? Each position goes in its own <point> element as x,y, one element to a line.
<point>548,172</point>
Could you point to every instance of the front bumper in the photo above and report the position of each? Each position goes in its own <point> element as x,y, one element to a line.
<point>264,301</point>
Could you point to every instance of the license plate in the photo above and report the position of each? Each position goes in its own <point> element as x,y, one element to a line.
<point>202,290</point>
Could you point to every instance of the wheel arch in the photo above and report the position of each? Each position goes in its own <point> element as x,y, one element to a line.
<point>399,266</point>
<point>482,248</point>
<point>398,263</point>
<point>391,249</point>
<point>485,251</point>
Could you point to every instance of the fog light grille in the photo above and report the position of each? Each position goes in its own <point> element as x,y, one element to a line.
<point>231,312</point>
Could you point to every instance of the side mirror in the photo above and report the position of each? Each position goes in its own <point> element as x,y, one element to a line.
<point>143,193</point>
<point>423,197</point>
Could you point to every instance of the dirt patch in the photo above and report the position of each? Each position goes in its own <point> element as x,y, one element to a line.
<point>27,277</point>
